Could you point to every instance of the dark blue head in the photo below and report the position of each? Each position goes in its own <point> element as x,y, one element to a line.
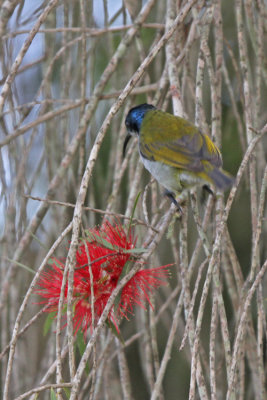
<point>134,120</point>
<point>135,117</point>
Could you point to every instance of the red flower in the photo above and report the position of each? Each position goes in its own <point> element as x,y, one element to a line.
<point>109,250</point>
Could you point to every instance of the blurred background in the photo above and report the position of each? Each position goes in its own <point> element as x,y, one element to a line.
<point>56,100</point>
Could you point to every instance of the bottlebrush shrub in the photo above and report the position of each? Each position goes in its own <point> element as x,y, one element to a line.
<point>107,253</point>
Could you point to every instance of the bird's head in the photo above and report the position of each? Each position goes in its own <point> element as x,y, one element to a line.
<point>134,120</point>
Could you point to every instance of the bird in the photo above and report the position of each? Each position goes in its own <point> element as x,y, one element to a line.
<point>176,153</point>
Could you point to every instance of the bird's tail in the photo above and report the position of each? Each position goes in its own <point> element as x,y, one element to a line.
<point>221,179</point>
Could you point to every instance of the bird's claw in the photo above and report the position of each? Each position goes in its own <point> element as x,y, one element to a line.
<point>170,195</point>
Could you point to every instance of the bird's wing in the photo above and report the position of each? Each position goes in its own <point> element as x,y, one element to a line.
<point>175,142</point>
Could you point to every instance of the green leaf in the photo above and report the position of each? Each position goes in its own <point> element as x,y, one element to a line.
<point>53,395</point>
<point>81,347</point>
<point>56,262</point>
<point>125,269</point>
<point>67,392</point>
<point>38,241</point>
<point>48,322</point>
<point>133,211</point>
<point>124,272</point>
<point>117,301</point>
<point>20,265</point>
<point>99,239</point>
<point>114,330</point>
<point>80,342</point>
<point>137,250</point>
<point>92,238</point>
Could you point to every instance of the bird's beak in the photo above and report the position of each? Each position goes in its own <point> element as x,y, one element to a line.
<point>128,137</point>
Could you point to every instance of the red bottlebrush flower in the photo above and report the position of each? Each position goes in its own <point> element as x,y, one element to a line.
<point>109,249</point>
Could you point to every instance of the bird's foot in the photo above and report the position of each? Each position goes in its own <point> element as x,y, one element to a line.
<point>208,189</point>
<point>170,195</point>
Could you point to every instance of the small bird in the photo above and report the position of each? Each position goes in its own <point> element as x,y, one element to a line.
<point>176,153</point>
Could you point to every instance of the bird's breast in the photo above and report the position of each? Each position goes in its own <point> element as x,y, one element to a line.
<point>173,179</point>
<point>164,174</point>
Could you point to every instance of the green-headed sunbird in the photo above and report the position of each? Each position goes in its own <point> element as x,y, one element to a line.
<point>176,153</point>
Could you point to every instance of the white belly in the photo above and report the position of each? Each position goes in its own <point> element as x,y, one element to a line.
<point>165,175</point>
<point>171,178</point>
